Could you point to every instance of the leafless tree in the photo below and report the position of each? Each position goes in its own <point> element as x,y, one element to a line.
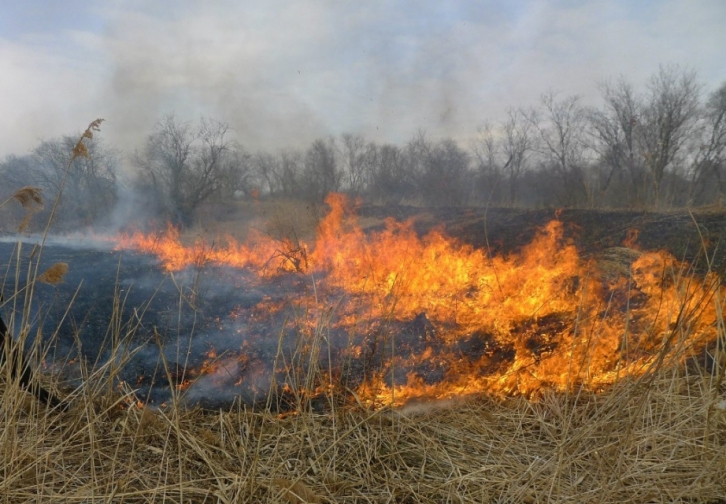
<point>354,152</point>
<point>516,145</point>
<point>559,126</point>
<point>293,166</point>
<point>322,173</point>
<point>442,171</point>
<point>709,160</point>
<point>236,174</point>
<point>667,121</point>
<point>183,162</point>
<point>90,188</point>
<point>268,169</point>
<point>615,139</point>
<point>391,180</point>
<point>487,166</point>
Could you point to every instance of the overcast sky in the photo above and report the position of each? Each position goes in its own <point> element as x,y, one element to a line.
<point>283,73</point>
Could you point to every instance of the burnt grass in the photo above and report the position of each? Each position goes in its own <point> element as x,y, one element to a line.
<point>505,230</point>
<point>188,316</point>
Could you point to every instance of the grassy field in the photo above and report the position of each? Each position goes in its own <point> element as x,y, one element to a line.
<point>657,437</point>
<point>660,438</point>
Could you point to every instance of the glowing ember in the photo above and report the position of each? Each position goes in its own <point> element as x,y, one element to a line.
<point>431,316</point>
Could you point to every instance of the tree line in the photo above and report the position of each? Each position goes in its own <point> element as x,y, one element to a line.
<point>657,147</point>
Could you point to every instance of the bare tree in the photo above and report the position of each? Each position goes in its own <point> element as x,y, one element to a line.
<point>560,127</point>
<point>184,163</point>
<point>615,139</point>
<point>236,174</point>
<point>709,159</point>
<point>487,166</point>
<point>268,170</point>
<point>90,187</point>
<point>516,144</point>
<point>667,121</point>
<point>391,180</point>
<point>355,167</point>
<point>322,174</point>
<point>442,171</point>
<point>293,166</point>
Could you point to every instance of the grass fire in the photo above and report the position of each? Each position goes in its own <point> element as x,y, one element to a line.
<point>401,316</point>
<point>362,352</point>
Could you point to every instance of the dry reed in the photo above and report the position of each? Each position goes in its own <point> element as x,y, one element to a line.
<point>29,197</point>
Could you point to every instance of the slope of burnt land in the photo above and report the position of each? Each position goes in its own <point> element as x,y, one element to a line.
<point>505,230</point>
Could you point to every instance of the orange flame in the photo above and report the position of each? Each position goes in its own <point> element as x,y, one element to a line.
<point>557,320</point>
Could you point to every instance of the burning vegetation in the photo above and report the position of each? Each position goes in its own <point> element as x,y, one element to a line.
<point>567,369</point>
<point>390,315</point>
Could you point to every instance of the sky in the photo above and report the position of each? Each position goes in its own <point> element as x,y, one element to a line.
<point>284,73</point>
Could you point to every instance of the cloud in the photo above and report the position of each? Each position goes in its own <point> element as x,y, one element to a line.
<point>283,73</point>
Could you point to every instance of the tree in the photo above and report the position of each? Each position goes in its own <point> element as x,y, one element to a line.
<point>236,176</point>
<point>391,181</point>
<point>516,144</point>
<point>560,127</point>
<point>615,139</point>
<point>667,121</point>
<point>710,152</point>
<point>184,163</point>
<point>90,190</point>
<point>293,165</point>
<point>441,171</point>
<point>268,170</point>
<point>354,153</point>
<point>488,167</point>
<point>322,175</point>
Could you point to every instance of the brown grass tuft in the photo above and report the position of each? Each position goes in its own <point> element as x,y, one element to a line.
<point>54,275</point>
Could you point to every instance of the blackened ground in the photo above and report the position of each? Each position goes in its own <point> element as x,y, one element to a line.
<point>219,329</point>
<point>504,230</point>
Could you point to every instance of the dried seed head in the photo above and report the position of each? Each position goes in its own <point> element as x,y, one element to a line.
<point>54,275</point>
<point>80,149</point>
<point>29,197</point>
<point>95,125</point>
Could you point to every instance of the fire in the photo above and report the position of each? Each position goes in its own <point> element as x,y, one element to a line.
<point>264,255</point>
<point>432,316</point>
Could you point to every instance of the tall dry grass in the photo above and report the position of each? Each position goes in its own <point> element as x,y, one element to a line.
<point>657,438</point>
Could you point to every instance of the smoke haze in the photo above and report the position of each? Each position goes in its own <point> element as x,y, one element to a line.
<point>284,73</point>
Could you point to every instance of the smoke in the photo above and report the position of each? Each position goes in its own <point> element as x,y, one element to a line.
<point>285,73</point>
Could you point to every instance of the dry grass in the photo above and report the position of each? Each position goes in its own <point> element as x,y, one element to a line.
<point>658,438</point>
<point>637,443</point>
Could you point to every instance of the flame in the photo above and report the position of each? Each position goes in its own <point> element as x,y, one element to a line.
<point>441,318</point>
<point>263,254</point>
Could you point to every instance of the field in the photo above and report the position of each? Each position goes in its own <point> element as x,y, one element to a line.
<point>655,435</point>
